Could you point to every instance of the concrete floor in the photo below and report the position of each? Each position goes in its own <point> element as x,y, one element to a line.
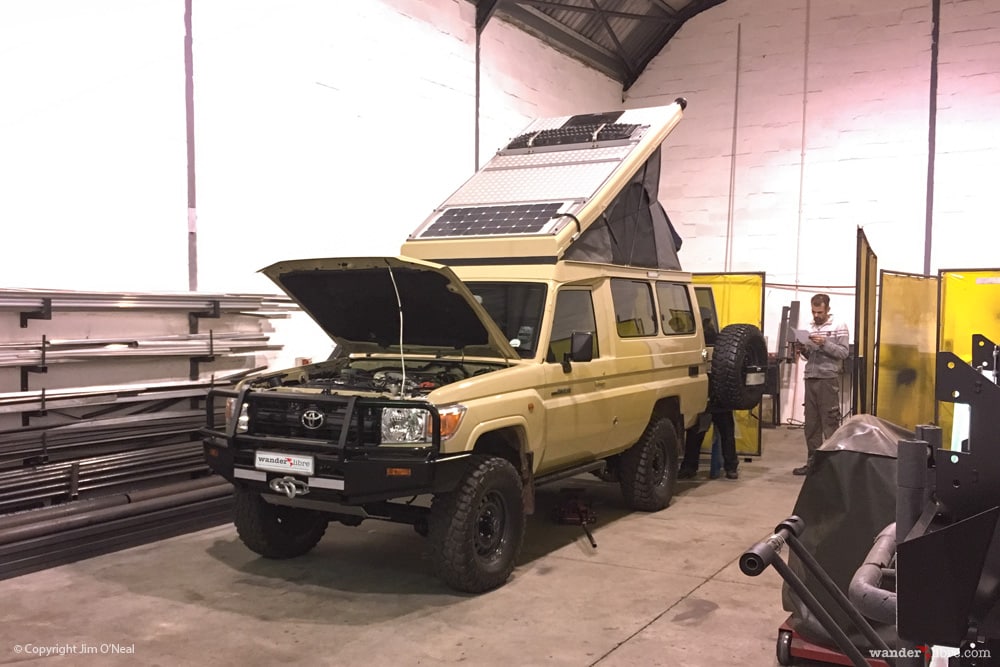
<point>660,589</point>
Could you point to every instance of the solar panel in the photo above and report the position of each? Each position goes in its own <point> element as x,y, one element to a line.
<point>493,220</point>
<point>569,135</point>
<point>602,118</point>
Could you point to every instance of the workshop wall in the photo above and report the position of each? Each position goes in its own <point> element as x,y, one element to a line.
<point>333,128</point>
<point>831,116</point>
<point>92,155</point>
<point>322,128</point>
<point>827,105</point>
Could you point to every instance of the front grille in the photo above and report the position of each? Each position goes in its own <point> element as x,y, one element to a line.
<point>321,420</point>
<point>323,424</point>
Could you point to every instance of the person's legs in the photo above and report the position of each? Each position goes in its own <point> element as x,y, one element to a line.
<point>716,457</point>
<point>828,397</point>
<point>725,426</point>
<point>692,453</point>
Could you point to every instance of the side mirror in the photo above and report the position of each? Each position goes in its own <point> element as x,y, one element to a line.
<point>581,348</point>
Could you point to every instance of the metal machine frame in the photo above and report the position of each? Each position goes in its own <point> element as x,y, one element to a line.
<point>943,551</point>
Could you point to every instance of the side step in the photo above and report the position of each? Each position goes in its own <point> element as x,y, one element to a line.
<point>570,472</point>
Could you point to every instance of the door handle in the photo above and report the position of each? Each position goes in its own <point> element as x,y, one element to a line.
<point>598,383</point>
<point>561,391</point>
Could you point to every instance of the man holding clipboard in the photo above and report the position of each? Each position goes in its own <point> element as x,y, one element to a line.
<point>824,347</point>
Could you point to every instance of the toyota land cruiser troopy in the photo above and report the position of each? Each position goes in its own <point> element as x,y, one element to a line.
<point>537,325</point>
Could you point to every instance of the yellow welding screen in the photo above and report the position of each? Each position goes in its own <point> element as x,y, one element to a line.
<point>904,383</point>
<point>739,299</point>
<point>863,381</point>
<point>970,304</point>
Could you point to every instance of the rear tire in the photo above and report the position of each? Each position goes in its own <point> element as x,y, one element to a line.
<point>648,468</point>
<point>739,350</point>
<point>476,530</point>
<point>276,531</point>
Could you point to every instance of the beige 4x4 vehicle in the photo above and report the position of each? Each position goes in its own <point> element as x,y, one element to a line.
<point>537,326</point>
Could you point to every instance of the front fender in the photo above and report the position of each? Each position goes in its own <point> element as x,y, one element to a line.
<point>521,425</point>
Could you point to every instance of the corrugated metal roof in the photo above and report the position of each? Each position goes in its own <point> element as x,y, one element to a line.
<point>617,37</point>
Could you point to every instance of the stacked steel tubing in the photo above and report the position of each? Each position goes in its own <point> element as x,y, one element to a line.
<point>94,469</point>
<point>39,539</point>
<point>32,300</point>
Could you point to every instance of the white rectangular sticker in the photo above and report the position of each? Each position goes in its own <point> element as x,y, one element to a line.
<point>280,462</point>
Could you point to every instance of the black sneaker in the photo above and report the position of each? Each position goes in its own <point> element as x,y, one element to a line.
<point>732,474</point>
<point>804,470</point>
<point>686,473</point>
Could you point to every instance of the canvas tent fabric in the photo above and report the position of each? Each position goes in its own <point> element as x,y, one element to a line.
<point>845,502</point>
<point>634,229</point>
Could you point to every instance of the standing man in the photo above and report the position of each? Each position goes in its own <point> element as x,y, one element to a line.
<point>824,355</point>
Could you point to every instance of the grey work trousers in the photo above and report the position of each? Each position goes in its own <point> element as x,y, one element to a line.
<point>822,411</point>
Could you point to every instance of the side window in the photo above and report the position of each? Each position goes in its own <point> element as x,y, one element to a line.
<point>634,313</point>
<point>517,310</point>
<point>676,315</point>
<point>574,312</point>
<point>707,313</point>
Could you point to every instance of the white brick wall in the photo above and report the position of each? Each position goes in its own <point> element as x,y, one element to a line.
<point>859,79</point>
<point>968,136</point>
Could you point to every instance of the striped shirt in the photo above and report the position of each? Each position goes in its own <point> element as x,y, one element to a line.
<point>826,360</point>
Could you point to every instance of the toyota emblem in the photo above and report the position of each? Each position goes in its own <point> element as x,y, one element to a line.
<point>312,419</point>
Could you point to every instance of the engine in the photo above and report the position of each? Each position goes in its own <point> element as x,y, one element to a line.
<point>377,376</point>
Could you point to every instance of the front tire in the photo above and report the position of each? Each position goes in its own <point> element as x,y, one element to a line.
<point>276,531</point>
<point>476,530</point>
<point>649,468</point>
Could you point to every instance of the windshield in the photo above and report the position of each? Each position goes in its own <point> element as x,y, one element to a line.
<point>517,310</point>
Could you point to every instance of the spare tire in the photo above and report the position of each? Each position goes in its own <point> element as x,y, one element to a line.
<point>739,364</point>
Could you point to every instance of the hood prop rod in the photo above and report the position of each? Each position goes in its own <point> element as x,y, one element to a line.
<point>402,355</point>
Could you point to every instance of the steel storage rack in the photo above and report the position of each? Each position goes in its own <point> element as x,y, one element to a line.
<point>87,468</point>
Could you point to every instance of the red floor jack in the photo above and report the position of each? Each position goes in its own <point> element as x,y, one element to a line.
<point>790,644</point>
<point>573,509</point>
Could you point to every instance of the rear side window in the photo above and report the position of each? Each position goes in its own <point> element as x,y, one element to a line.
<point>707,312</point>
<point>676,314</point>
<point>574,312</point>
<point>634,313</point>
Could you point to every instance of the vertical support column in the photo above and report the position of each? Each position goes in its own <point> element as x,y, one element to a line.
<point>193,319</point>
<point>484,11</point>
<point>192,208</point>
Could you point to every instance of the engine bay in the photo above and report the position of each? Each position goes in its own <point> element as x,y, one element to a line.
<point>380,375</point>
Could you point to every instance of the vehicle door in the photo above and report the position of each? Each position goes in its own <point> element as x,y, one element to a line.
<point>637,348</point>
<point>576,416</point>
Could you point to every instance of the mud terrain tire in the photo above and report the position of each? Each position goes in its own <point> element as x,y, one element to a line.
<point>649,467</point>
<point>476,530</point>
<point>739,350</point>
<point>276,531</point>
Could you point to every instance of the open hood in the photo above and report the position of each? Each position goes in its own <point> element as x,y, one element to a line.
<point>358,302</point>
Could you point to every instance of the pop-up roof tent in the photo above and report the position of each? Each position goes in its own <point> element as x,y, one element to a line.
<point>582,188</point>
